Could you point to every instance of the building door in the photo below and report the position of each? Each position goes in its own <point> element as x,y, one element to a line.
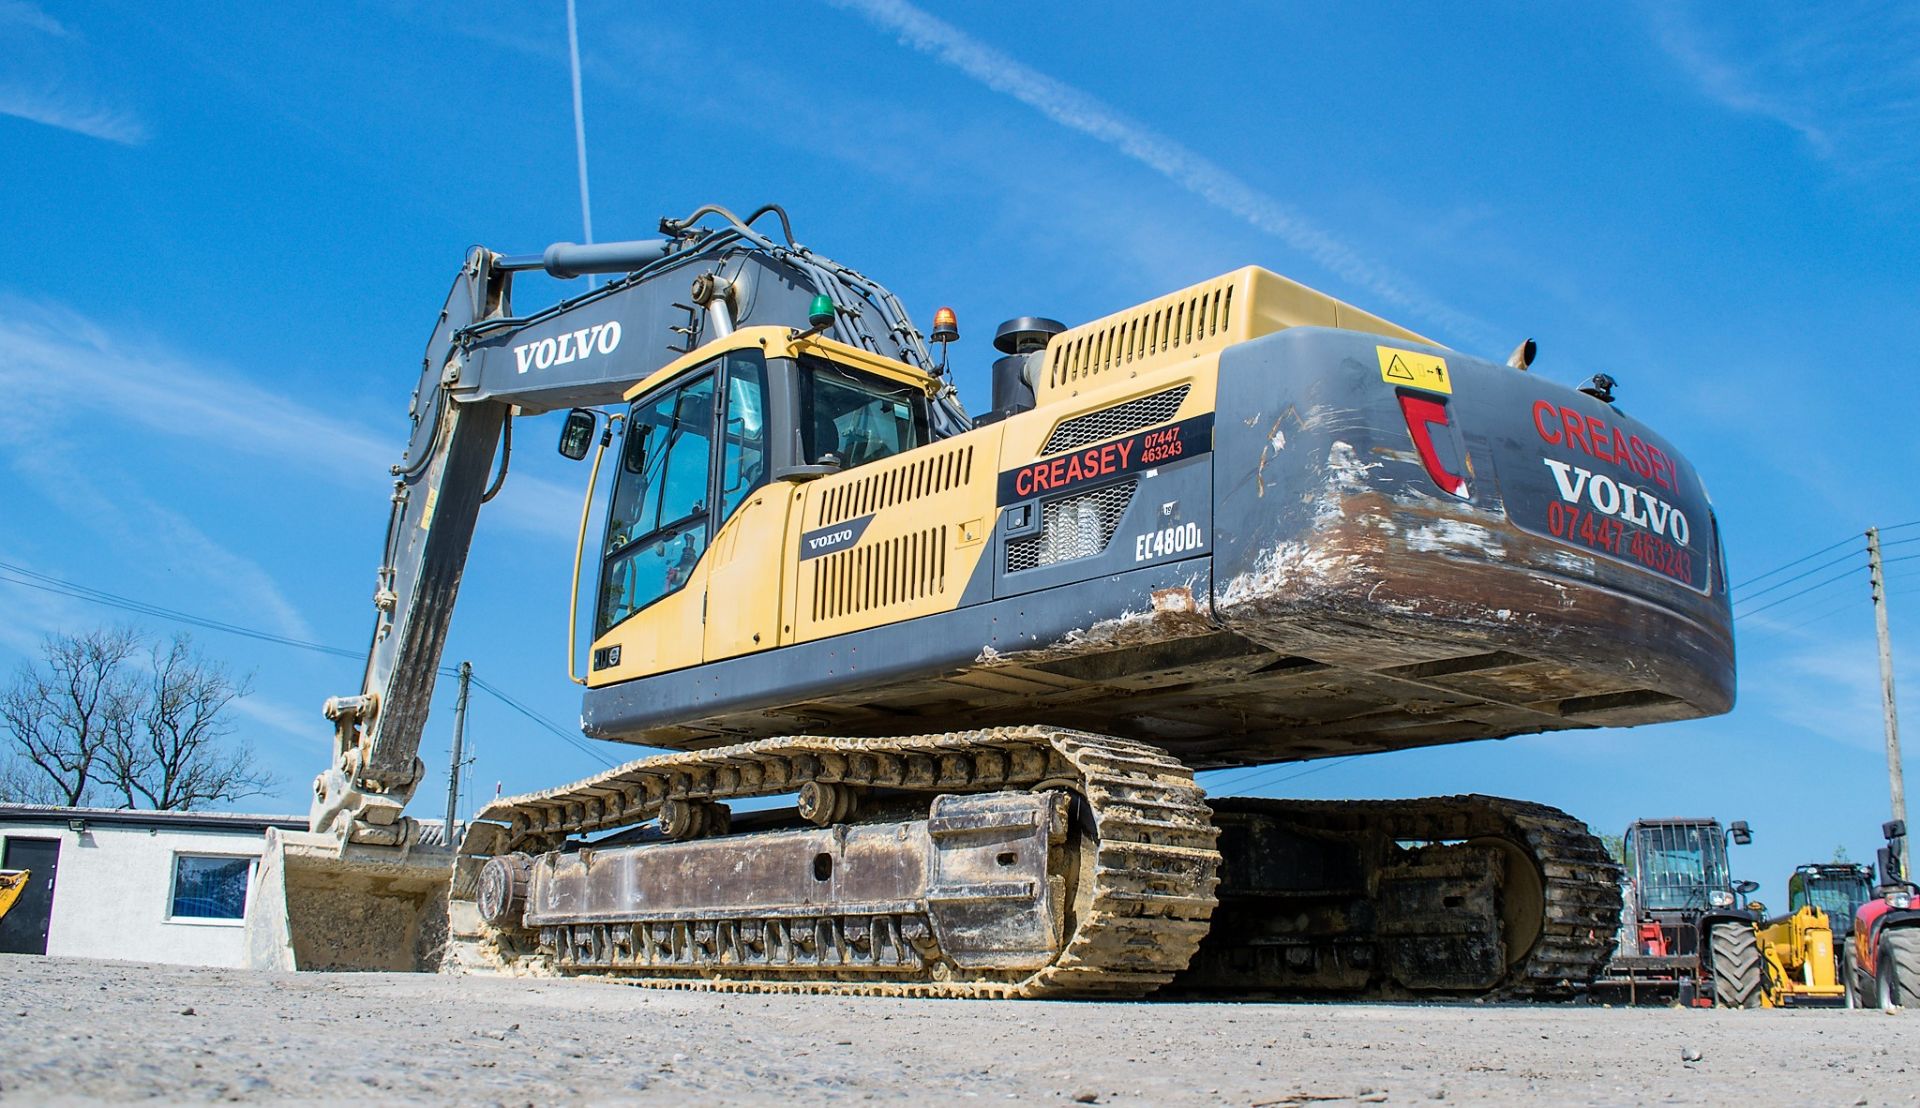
<point>24,930</point>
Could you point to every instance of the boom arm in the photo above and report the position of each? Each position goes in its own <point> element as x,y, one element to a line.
<point>483,365</point>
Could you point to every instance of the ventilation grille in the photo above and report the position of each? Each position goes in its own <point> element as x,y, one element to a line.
<point>889,571</point>
<point>893,483</point>
<point>1108,423</point>
<point>1078,526</point>
<point>1157,328</point>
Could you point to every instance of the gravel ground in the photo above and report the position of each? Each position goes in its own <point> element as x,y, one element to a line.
<point>88,1031</point>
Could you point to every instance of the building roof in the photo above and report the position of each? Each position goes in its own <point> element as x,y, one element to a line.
<point>234,822</point>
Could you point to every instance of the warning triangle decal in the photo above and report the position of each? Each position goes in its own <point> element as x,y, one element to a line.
<point>1398,370</point>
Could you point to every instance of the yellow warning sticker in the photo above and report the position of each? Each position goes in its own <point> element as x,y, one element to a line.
<point>1414,371</point>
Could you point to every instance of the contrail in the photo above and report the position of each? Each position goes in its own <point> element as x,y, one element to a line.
<point>1070,107</point>
<point>580,131</point>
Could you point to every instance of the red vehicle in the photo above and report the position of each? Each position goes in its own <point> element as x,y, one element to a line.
<point>1883,957</point>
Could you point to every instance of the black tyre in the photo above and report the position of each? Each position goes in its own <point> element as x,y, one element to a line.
<point>1898,974</point>
<point>1850,974</point>
<point>1737,971</point>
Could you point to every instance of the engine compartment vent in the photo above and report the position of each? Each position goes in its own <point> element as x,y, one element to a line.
<point>1120,419</point>
<point>1077,526</point>
<point>876,574</point>
<point>886,483</point>
<point>1189,318</point>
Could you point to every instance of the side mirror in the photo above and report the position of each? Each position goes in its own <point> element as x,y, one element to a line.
<point>576,435</point>
<point>1742,834</point>
<point>1745,887</point>
<point>1893,829</point>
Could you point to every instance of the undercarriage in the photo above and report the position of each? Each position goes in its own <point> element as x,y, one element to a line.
<point>1021,862</point>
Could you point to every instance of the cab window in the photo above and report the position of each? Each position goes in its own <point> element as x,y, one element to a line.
<point>683,454</point>
<point>857,417</point>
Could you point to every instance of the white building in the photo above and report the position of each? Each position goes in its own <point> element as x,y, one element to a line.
<point>142,886</point>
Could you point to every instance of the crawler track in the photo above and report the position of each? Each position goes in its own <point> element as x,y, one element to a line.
<point>1139,903</point>
<point>1579,890</point>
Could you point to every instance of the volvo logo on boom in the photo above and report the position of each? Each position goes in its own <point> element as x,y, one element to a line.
<point>568,346</point>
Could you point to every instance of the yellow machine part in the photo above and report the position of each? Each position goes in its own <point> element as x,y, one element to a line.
<point>12,881</point>
<point>1799,953</point>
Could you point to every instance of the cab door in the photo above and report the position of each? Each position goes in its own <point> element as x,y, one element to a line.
<point>749,551</point>
<point>691,504</point>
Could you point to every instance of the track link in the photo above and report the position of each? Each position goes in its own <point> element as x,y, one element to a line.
<point>1146,879</point>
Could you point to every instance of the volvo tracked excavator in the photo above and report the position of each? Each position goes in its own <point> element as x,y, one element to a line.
<point>980,659</point>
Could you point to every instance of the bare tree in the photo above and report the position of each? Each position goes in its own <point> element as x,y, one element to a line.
<point>84,723</point>
<point>21,782</point>
<point>63,713</point>
<point>173,756</point>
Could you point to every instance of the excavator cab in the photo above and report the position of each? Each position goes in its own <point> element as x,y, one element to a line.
<point>715,450</point>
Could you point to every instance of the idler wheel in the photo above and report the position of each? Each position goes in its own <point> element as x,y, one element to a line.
<point>502,895</point>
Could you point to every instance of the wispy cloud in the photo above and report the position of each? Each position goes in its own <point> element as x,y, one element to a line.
<point>1845,76</point>
<point>1726,83</point>
<point>72,110</point>
<point>1072,108</point>
<point>39,87</point>
<point>19,13</point>
<point>56,363</point>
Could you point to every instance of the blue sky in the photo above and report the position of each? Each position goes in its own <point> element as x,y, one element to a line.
<point>226,232</point>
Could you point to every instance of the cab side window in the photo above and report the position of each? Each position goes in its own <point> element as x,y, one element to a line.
<point>858,417</point>
<point>743,464</point>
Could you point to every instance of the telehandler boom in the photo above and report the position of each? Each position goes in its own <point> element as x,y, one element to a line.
<point>1239,524</point>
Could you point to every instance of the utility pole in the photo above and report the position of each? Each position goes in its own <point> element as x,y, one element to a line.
<point>1894,779</point>
<point>459,733</point>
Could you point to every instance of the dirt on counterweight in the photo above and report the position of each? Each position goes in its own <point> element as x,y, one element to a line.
<point>79,1031</point>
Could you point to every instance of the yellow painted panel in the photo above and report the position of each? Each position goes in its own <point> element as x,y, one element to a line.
<point>1193,322</point>
<point>911,556</point>
<point>748,558</point>
<point>665,636</point>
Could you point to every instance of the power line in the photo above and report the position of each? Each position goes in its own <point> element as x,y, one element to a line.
<point>1255,773</point>
<point>1797,561</point>
<point>58,587</point>
<point>19,575</point>
<point>543,721</point>
<point>1783,583</point>
<point>1841,576</point>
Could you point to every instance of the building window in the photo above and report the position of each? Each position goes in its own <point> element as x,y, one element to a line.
<point>210,887</point>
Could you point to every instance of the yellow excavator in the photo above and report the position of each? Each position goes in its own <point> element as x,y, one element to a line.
<point>974,661</point>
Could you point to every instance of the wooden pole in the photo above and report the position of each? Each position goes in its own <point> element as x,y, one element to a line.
<point>1894,779</point>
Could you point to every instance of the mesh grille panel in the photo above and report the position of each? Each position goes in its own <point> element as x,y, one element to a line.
<point>1078,526</point>
<point>1108,423</point>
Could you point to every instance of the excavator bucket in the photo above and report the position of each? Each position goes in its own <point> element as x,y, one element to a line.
<point>320,904</point>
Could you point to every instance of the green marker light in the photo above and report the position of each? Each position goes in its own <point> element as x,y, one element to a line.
<point>820,314</point>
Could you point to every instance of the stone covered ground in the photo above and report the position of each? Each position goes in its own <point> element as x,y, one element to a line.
<point>75,1031</point>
